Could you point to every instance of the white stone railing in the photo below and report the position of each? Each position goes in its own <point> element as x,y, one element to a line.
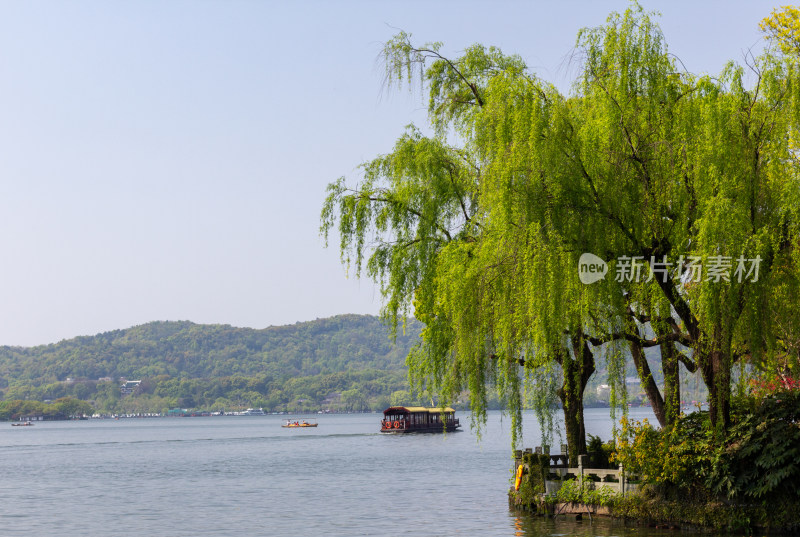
<point>594,478</point>
<point>615,479</point>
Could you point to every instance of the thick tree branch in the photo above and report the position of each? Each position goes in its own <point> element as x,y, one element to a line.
<point>690,364</point>
<point>649,385</point>
<point>675,337</point>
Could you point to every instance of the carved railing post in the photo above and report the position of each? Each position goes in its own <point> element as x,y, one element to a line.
<point>583,461</point>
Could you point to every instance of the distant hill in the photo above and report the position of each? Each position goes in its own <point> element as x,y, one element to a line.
<point>347,362</point>
<point>187,350</point>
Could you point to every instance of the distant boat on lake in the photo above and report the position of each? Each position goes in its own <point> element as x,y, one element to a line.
<point>22,424</point>
<point>254,412</point>
<point>302,423</point>
<point>418,419</point>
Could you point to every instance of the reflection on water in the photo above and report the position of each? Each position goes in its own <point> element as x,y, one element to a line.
<point>528,525</point>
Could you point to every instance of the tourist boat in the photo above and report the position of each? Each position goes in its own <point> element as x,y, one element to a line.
<point>299,423</point>
<point>254,412</point>
<point>22,424</point>
<point>417,419</point>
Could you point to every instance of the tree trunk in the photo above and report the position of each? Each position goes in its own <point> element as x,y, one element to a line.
<point>716,371</point>
<point>577,372</point>
<point>672,382</point>
<point>648,384</point>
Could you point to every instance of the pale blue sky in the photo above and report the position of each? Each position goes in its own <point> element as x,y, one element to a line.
<point>168,160</point>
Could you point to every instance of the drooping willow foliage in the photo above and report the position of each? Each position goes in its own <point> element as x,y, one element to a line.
<point>478,229</point>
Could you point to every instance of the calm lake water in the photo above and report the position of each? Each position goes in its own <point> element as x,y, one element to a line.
<point>247,476</point>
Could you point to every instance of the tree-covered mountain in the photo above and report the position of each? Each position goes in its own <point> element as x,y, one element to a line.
<point>188,350</point>
<point>347,362</point>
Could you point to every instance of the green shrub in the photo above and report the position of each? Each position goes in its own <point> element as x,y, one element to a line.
<point>584,491</point>
<point>759,458</point>
<point>676,459</point>
<point>761,455</point>
<point>600,453</point>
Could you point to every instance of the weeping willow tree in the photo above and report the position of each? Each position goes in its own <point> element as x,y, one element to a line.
<point>656,171</point>
<point>782,30</point>
<point>684,187</point>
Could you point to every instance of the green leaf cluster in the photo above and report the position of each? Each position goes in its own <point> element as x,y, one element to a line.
<point>586,491</point>
<point>676,459</point>
<point>758,459</point>
<point>761,457</point>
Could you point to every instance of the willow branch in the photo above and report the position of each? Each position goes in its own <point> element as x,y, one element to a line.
<point>473,88</point>
<point>408,209</point>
